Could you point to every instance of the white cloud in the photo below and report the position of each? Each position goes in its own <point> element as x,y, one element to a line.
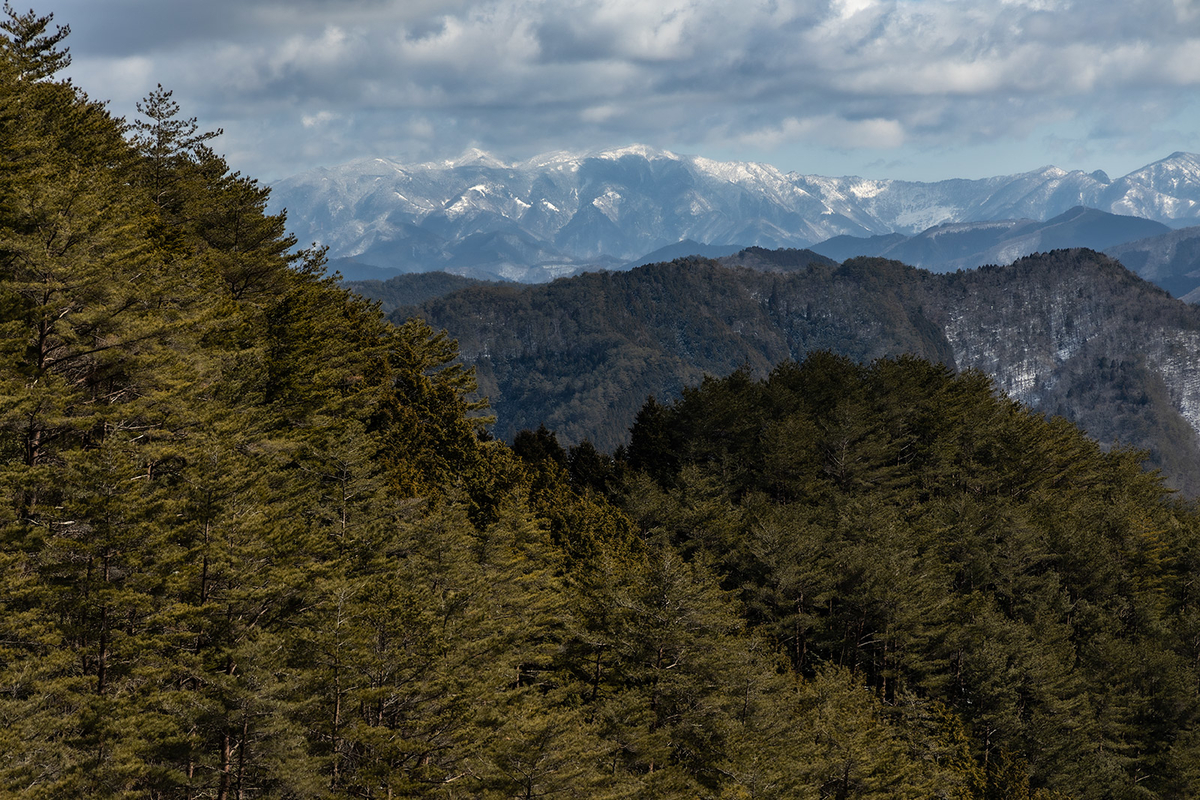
<point>318,119</point>
<point>519,76</point>
<point>600,113</point>
<point>848,8</point>
<point>830,131</point>
<point>127,79</point>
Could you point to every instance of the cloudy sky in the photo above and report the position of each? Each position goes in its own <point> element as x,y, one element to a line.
<point>914,89</point>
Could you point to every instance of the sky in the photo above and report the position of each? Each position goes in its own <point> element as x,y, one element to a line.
<point>905,89</point>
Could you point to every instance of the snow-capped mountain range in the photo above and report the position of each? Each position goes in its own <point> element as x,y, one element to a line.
<point>556,213</point>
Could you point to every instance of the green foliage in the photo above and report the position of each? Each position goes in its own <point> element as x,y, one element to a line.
<point>938,540</point>
<point>30,47</point>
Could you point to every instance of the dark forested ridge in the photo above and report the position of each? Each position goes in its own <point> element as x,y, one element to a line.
<point>581,354</point>
<point>398,296</point>
<point>1068,332</point>
<point>255,542</point>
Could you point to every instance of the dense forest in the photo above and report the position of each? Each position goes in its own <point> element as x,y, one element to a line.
<point>257,542</point>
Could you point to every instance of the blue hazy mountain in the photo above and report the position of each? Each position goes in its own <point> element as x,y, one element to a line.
<point>567,212</point>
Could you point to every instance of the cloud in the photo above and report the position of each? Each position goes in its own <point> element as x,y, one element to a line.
<point>830,131</point>
<point>428,77</point>
<point>318,119</point>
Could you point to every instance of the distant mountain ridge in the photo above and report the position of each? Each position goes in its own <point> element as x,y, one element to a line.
<point>559,213</point>
<point>684,249</point>
<point>964,245</point>
<point>1171,260</point>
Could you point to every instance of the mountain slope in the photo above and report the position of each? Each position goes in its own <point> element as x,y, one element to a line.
<point>1055,331</point>
<point>408,290</point>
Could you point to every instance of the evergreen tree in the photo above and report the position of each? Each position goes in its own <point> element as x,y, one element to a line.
<point>31,47</point>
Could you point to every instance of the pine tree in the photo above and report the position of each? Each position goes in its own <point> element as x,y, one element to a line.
<point>34,51</point>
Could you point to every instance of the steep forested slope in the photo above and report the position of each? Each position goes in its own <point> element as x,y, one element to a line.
<point>1069,332</point>
<point>582,354</point>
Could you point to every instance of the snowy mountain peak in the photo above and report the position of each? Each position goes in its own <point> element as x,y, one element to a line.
<point>556,159</point>
<point>737,171</point>
<point>474,157</point>
<point>586,207</point>
<point>639,150</point>
<point>1177,176</point>
<point>1180,157</point>
<point>1049,171</point>
<point>1176,163</point>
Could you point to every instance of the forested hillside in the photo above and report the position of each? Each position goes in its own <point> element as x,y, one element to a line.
<point>942,542</point>
<point>1069,332</point>
<point>256,542</point>
<point>1170,260</point>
